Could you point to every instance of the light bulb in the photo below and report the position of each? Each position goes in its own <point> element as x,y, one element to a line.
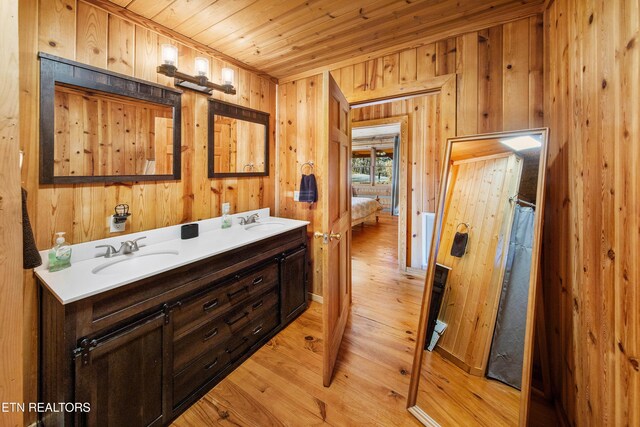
<point>202,66</point>
<point>227,76</point>
<point>170,54</point>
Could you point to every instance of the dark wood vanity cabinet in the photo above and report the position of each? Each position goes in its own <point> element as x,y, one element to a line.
<point>125,370</point>
<point>141,354</point>
<point>294,298</point>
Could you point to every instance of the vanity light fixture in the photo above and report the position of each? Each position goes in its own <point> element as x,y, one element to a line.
<point>200,82</point>
<point>520,143</point>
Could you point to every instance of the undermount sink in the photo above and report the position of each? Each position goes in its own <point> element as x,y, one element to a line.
<point>124,264</point>
<point>264,226</point>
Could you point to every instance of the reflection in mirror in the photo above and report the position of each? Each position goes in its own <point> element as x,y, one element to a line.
<point>101,126</point>
<point>472,366</point>
<point>101,134</point>
<point>238,141</point>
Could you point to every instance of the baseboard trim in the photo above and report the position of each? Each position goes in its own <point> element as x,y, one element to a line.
<point>316,298</point>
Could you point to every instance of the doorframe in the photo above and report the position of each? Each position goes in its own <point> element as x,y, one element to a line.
<point>403,225</point>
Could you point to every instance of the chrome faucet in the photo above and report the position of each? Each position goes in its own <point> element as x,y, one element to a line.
<point>126,247</point>
<point>249,219</point>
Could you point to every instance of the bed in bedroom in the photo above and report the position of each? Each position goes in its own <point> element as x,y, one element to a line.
<point>364,209</point>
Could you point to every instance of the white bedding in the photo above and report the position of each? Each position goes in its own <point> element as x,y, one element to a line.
<point>362,207</point>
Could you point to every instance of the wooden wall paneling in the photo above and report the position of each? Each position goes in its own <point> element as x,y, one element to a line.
<point>592,58</point>
<point>11,289</point>
<point>146,54</point>
<point>516,75</point>
<point>375,69</point>
<point>536,66</point>
<point>446,56</point>
<point>408,66</point>
<point>626,302</point>
<point>202,184</point>
<point>57,27</point>
<point>426,60</point>
<point>467,69</point>
<point>121,45</point>
<point>391,71</point>
<point>91,35</point>
<point>28,83</point>
<point>186,60</point>
<point>490,80</point>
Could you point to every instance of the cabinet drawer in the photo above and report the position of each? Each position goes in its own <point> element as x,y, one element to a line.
<point>214,302</point>
<point>217,331</point>
<point>211,363</point>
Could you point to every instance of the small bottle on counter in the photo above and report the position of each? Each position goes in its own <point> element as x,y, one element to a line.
<point>60,254</point>
<point>226,218</point>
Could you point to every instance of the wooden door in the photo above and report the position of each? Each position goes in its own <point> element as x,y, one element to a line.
<point>123,376</point>
<point>335,192</point>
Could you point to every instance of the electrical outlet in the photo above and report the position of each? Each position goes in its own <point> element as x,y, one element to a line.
<point>115,228</point>
<point>296,196</point>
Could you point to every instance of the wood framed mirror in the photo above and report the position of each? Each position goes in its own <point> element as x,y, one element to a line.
<point>238,141</point>
<point>100,126</point>
<point>473,356</point>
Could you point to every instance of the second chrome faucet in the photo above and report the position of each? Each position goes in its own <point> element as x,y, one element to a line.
<point>126,247</point>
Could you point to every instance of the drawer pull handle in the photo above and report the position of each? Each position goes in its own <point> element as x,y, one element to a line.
<point>234,349</point>
<point>257,330</point>
<point>211,365</point>
<point>258,280</point>
<point>257,305</point>
<point>232,295</point>
<point>209,305</point>
<point>237,319</point>
<point>212,333</point>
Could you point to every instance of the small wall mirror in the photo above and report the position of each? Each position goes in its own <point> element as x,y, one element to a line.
<point>473,359</point>
<point>98,126</point>
<point>238,141</point>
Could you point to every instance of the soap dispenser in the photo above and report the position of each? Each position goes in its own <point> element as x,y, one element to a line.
<point>226,218</point>
<point>60,254</point>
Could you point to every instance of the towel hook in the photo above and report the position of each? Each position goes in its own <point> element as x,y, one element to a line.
<point>309,163</point>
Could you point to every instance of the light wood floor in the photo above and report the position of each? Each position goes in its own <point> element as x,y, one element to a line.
<point>281,384</point>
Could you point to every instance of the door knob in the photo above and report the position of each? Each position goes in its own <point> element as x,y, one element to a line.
<point>327,237</point>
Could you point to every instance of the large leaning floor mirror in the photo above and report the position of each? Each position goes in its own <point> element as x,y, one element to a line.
<point>472,364</point>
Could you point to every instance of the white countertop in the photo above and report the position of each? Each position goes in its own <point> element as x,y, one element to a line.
<point>162,250</point>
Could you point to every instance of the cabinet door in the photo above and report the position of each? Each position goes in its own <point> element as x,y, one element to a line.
<point>293,285</point>
<point>123,375</point>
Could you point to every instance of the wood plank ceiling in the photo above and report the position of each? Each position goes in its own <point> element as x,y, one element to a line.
<point>286,37</point>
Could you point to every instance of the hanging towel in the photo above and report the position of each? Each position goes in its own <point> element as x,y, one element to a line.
<point>308,189</point>
<point>460,240</point>
<point>31,256</point>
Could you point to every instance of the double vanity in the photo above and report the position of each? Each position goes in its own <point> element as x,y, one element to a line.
<point>142,336</point>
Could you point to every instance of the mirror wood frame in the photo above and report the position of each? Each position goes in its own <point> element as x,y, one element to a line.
<point>525,391</point>
<point>54,70</point>
<point>226,109</point>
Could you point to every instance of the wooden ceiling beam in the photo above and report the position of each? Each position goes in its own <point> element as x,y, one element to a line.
<point>167,32</point>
